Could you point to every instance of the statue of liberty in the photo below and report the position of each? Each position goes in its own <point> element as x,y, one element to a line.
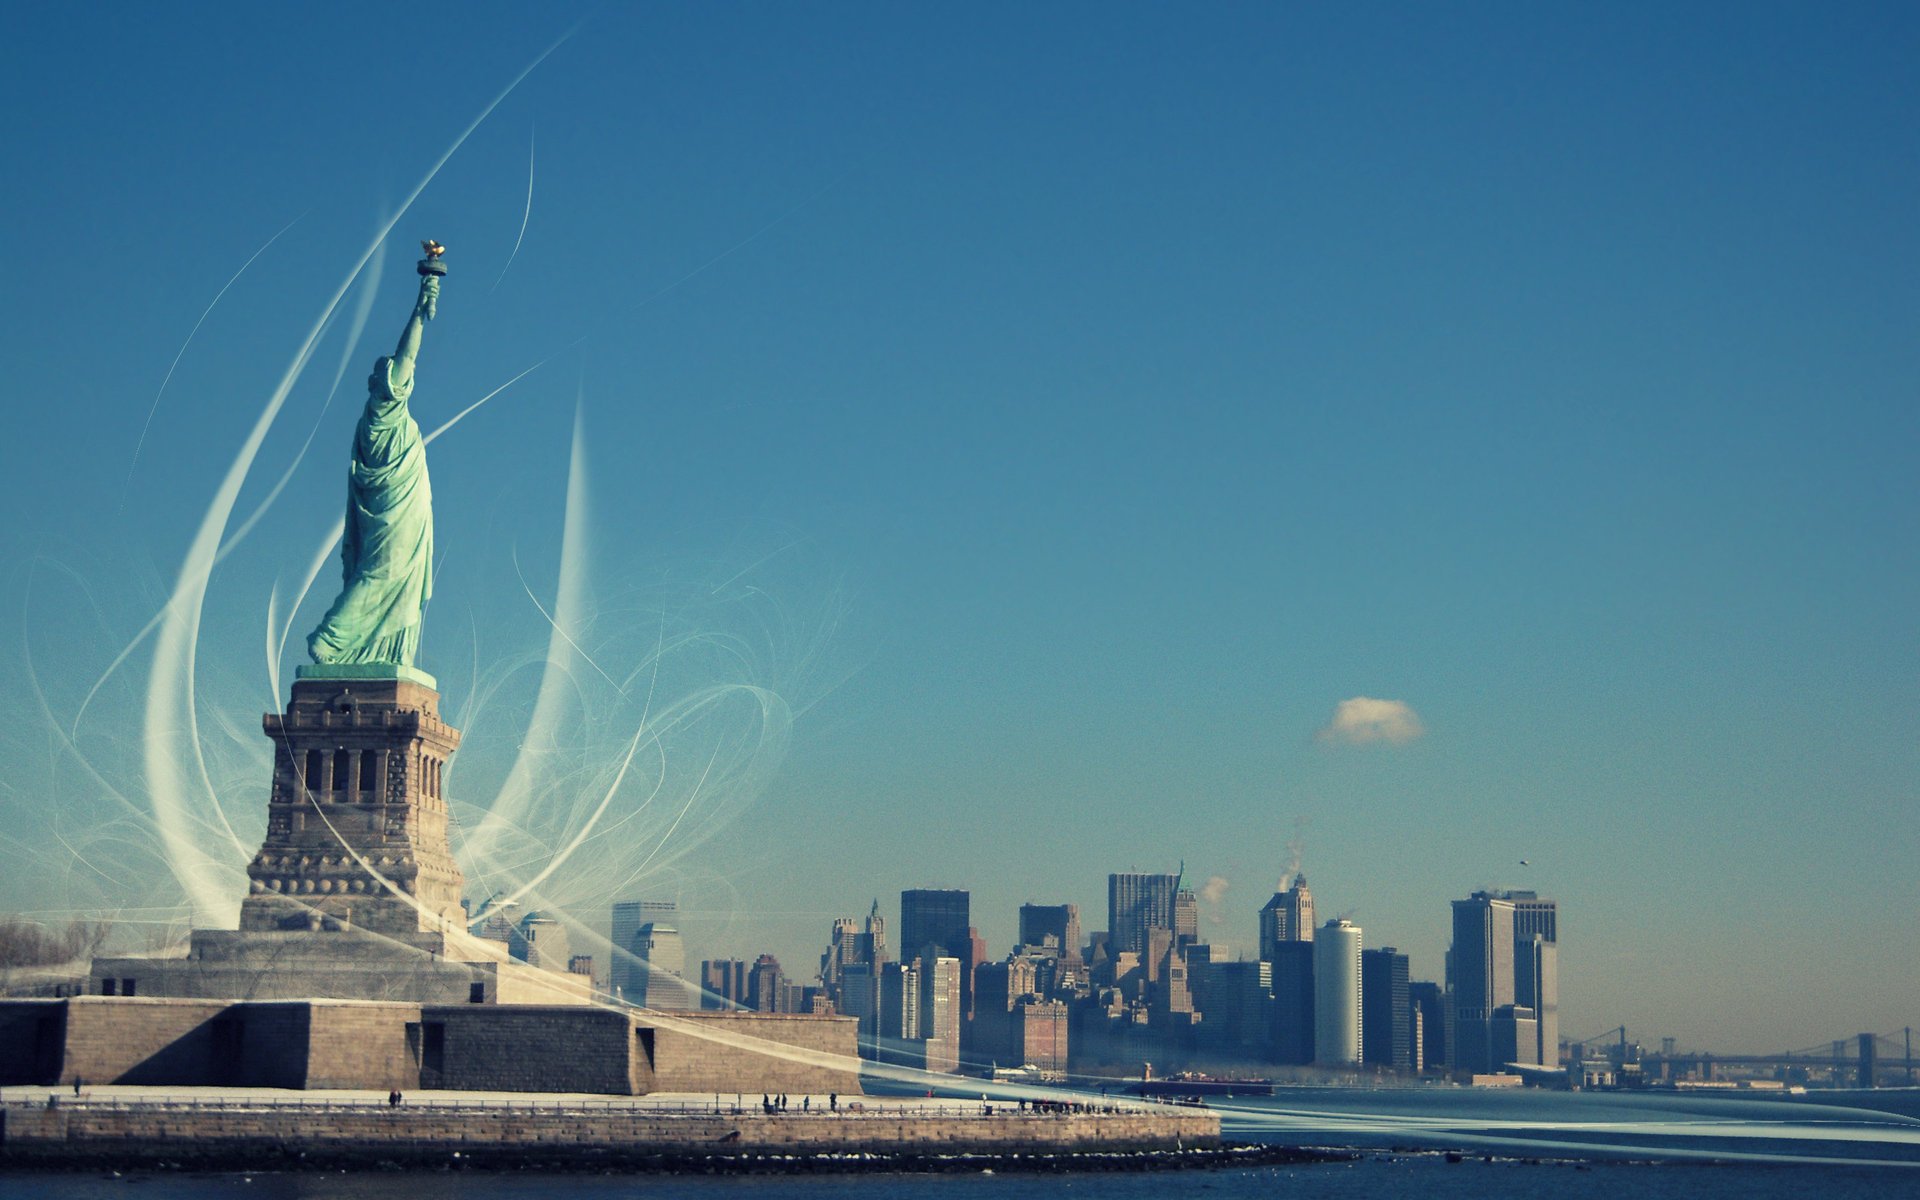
<point>386,550</point>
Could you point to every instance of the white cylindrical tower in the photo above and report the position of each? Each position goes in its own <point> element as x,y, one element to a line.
<point>1336,994</point>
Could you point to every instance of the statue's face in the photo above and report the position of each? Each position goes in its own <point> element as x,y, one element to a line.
<point>378,380</point>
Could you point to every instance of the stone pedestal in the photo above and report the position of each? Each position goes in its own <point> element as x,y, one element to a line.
<point>357,822</point>
<point>355,894</point>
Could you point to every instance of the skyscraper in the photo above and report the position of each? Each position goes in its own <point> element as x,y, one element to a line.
<point>540,941</point>
<point>873,938</point>
<point>1288,917</point>
<point>1536,985</point>
<point>1481,977</point>
<point>766,984</point>
<point>1426,999</point>
<point>1239,1011</point>
<point>1532,916</point>
<point>1515,1036</point>
<point>1186,917</point>
<point>940,1012</point>
<point>973,952</point>
<point>1336,994</point>
<point>723,984</point>
<point>860,998</point>
<point>1386,1011</point>
<point>1293,1002</point>
<point>934,917</point>
<point>1536,965</point>
<point>658,979</point>
<point>1061,921</point>
<point>899,1019</point>
<point>1135,904</point>
<point>1169,991</point>
<point>843,950</point>
<point>1039,1034</point>
<point>628,917</point>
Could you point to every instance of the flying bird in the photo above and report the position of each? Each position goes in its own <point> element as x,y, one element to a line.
<point>1525,863</point>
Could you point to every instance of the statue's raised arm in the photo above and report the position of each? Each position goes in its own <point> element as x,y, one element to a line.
<point>386,548</point>
<point>424,310</point>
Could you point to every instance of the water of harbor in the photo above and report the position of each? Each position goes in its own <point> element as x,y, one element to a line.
<point>1438,1142</point>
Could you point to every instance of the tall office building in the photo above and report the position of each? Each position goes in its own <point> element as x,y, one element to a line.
<point>1293,1002</point>
<point>997,987</point>
<point>766,985</point>
<point>1536,964</point>
<point>936,917</point>
<point>1431,1048</point>
<point>658,979</point>
<point>1536,985</point>
<point>1186,917</point>
<point>628,917</point>
<point>843,950</point>
<point>1515,1037</point>
<point>1169,989</point>
<point>1239,1012</point>
<point>852,945</point>
<point>940,1012</point>
<point>1386,1010</point>
<point>1505,957</point>
<point>860,998</point>
<point>1200,956</point>
<point>723,984</point>
<point>1059,921</point>
<point>1135,904</point>
<point>972,954</point>
<point>1481,978</point>
<point>1039,1034</point>
<point>539,941</point>
<point>873,937</point>
<point>1288,917</point>
<point>1532,916</point>
<point>1336,994</point>
<point>899,1019</point>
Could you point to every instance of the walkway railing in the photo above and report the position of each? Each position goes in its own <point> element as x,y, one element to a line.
<point>856,1109</point>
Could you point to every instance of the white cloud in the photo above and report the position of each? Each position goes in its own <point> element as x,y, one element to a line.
<point>1214,890</point>
<point>1363,719</point>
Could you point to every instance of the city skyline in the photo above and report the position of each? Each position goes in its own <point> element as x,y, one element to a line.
<point>1512,976</point>
<point>1438,451</point>
<point>1330,1006</point>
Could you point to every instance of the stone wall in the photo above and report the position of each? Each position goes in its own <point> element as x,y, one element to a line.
<point>82,1131</point>
<point>467,1047</point>
<point>263,1045</point>
<point>489,1048</point>
<point>726,1059</point>
<point>298,966</point>
<point>359,1045</point>
<point>141,1041</point>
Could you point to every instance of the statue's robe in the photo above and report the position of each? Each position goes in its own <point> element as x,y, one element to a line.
<point>387,548</point>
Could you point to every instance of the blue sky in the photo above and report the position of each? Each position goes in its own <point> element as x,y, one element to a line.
<point>1063,411</point>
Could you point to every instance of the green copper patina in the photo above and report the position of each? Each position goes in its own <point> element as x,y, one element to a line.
<point>387,548</point>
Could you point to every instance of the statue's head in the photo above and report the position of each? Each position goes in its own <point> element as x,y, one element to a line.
<point>377,382</point>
